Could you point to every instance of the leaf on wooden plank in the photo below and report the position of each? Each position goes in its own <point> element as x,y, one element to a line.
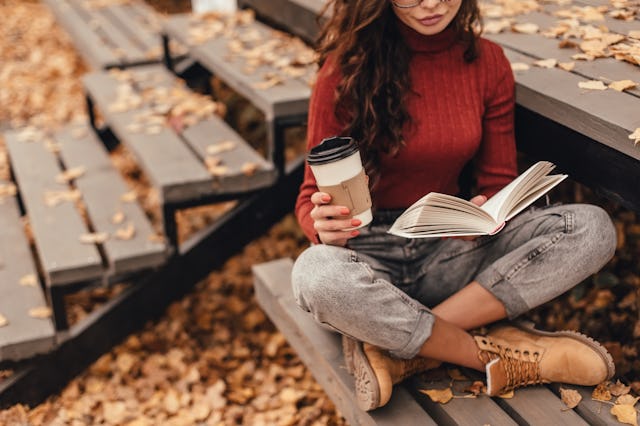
<point>592,85</point>
<point>438,395</point>
<point>219,147</point>
<point>507,395</point>
<point>635,136</point>
<point>249,168</point>
<point>525,28</point>
<point>40,312</point>
<point>634,34</point>
<point>51,146</point>
<point>622,85</point>
<point>546,63</point>
<point>117,218</point>
<point>269,83</point>
<point>601,392</point>
<point>519,66</point>
<point>567,66</point>
<point>53,198</point>
<point>627,399</point>
<point>619,388</point>
<point>570,397</point>
<point>126,233</point>
<point>7,190</point>
<point>70,174</point>
<point>94,238</point>
<point>3,321</point>
<point>476,388</point>
<point>583,57</point>
<point>625,414</point>
<point>29,280</point>
<point>30,134</point>
<point>567,44</point>
<point>496,26</point>
<point>129,197</point>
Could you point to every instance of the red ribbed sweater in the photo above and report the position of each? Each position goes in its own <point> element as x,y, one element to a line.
<point>461,111</point>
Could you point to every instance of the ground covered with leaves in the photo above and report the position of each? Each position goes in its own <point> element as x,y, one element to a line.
<point>214,358</point>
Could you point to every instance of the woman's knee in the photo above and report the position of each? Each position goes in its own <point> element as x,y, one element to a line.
<point>596,232</point>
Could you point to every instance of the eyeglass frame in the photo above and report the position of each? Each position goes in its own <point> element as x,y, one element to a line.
<point>417,3</point>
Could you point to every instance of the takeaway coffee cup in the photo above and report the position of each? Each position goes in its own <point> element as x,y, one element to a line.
<point>337,167</point>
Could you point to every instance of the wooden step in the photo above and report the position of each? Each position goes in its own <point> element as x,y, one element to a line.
<point>20,291</point>
<point>321,351</point>
<point>116,35</point>
<point>174,158</point>
<point>58,227</point>
<point>298,17</point>
<point>246,55</point>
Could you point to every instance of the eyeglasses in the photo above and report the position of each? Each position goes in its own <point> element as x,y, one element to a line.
<point>407,4</point>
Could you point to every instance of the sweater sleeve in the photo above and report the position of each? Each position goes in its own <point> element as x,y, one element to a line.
<point>322,123</point>
<point>496,163</point>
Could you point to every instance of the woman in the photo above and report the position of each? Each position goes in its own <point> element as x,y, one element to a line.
<point>424,96</point>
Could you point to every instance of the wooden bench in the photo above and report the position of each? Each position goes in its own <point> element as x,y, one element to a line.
<point>197,160</point>
<point>86,226</point>
<point>111,35</point>
<point>270,69</point>
<point>321,351</point>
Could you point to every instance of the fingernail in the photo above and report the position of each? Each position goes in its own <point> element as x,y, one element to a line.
<point>356,222</point>
<point>326,198</point>
<point>355,233</point>
<point>344,211</point>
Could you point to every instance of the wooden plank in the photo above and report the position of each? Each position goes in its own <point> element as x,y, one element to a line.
<point>112,30</point>
<point>289,98</point>
<point>459,411</point>
<point>215,131</point>
<point>537,405</point>
<point>92,47</point>
<point>24,336</point>
<point>57,229</point>
<point>605,116</point>
<point>172,167</point>
<point>596,413</point>
<point>321,351</point>
<point>141,24</point>
<point>614,25</point>
<point>102,188</point>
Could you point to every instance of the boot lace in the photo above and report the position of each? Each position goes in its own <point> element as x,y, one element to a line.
<point>522,368</point>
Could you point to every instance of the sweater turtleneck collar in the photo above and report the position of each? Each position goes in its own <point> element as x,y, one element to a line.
<point>427,43</point>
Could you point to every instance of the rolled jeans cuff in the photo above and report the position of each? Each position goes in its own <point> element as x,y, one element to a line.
<point>504,291</point>
<point>421,333</point>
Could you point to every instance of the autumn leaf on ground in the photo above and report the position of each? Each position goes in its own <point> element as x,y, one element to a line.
<point>40,312</point>
<point>619,388</point>
<point>567,66</point>
<point>601,392</point>
<point>622,85</point>
<point>249,168</point>
<point>525,28</point>
<point>29,280</point>
<point>70,174</point>
<point>507,395</point>
<point>220,147</point>
<point>7,190</point>
<point>546,63</point>
<point>129,197</point>
<point>592,85</point>
<point>570,397</point>
<point>438,395</point>
<point>126,233</point>
<point>627,399</point>
<point>3,321</point>
<point>117,218</point>
<point>496,26</point>
<point>634,34</point>
<point>476,388</point>
<point>519,66</point>
<point>625,414</point>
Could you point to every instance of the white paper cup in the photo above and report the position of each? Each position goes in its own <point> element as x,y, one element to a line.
<point>337,167</point>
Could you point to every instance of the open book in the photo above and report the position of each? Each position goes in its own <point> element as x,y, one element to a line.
<point>442,215</point>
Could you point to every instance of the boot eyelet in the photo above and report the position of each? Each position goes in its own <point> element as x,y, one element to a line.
<point>484,341</point>
<point>526,353</point>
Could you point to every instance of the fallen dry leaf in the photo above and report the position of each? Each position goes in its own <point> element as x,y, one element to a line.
<point>7,190</point>
<point>29,280</point>
<point>129,197</point>
<point>546,63</point>
<point>53,198</point>
<point>438,395</point>
<point>70,174</point>
<point>601,392</point>
<point>570,397</point>
<point>94,238</point>
<point>519,66</point>
<point>476,388</point>
<point>249,168</point>
<point>40,312</point>
<point>525,28</point>
<point>627,399</point>
<point>219,147</point>
<point>126,233</point>
<point>625,414</point>
<point>117,218</point>
<point>3,321</point>
<point>635,136</point>
<point>634,34</point>
<point>592,85</point>
<point>619,388</point>
<point>567,66</point>
<point>622,85</point>
<point>507,395</point>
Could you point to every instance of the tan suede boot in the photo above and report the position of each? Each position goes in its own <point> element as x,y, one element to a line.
<point>519,356</point>
<point>376,372</point>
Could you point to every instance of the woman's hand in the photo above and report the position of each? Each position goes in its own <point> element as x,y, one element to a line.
<point>331,230</point>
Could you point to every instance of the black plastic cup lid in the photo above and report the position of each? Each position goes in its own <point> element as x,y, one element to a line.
<point>332,149</point>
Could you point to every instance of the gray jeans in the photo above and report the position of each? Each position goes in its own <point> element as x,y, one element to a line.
<point>379,288</point>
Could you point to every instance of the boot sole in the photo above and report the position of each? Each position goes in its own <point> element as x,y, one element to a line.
<point>596,346</point>
<point>367,387</point>
<point>348,346</point>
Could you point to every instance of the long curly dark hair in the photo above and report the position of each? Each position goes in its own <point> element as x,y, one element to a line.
<point>362,37</point>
